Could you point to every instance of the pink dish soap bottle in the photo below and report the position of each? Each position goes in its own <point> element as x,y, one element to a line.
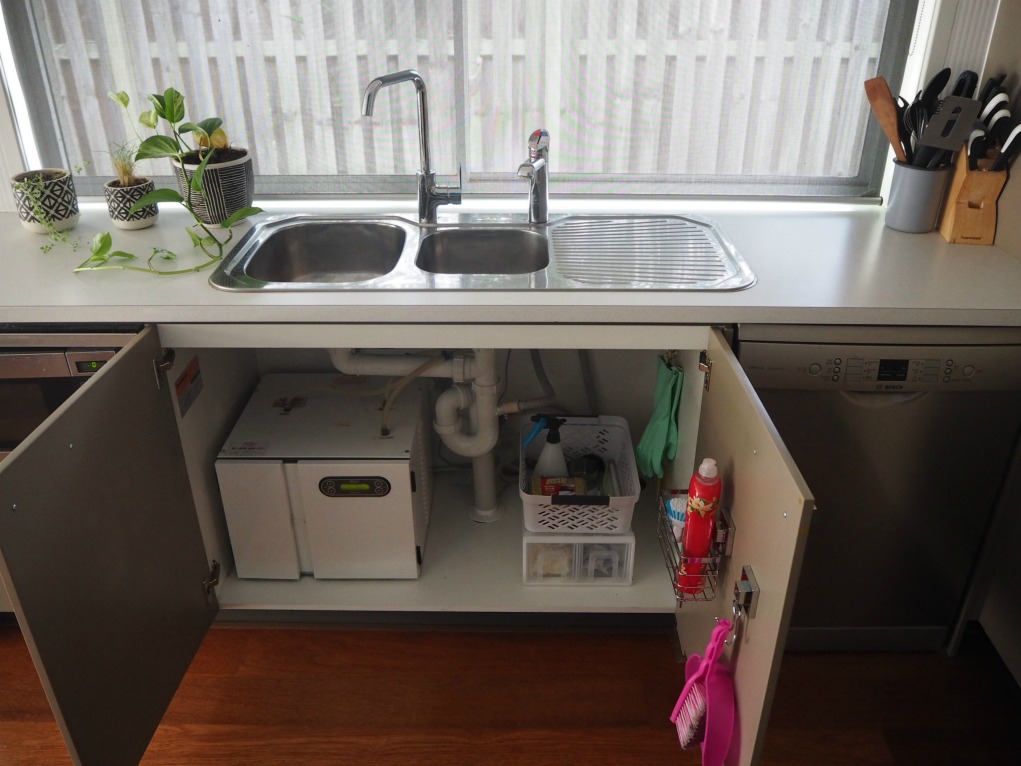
<point>699,527</point>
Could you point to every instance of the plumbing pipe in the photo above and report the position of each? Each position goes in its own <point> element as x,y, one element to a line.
<point>548,397</point>
<point>350,362</point>
<point>481,400</point>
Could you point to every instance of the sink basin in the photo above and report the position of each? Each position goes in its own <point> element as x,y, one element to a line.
<point>483,251</point>
<point>331,253</point>
<point>310,250</point>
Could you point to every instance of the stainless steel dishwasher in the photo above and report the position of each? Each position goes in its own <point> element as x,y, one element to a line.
<point>905,436</point>
<point>40,368</point>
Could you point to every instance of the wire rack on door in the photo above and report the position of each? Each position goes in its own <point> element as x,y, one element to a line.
<point>674,557</point>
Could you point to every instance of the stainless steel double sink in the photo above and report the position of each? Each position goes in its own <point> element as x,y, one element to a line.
<point>336,253</point>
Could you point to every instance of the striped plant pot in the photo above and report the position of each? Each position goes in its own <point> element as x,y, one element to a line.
<point>119,200</point>
<point>46,199</point>
<point>227,187</point>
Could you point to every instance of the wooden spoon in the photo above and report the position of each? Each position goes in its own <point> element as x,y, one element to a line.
<point>885,108</point>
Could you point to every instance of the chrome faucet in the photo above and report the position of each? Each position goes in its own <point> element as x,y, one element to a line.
<point>536,170</point>
<point>430,196</point>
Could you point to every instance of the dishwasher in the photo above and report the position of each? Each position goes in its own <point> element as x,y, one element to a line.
<point>905,436</point>
<point>40,368</point>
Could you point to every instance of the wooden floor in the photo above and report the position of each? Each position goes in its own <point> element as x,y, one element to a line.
<point>348,696</point>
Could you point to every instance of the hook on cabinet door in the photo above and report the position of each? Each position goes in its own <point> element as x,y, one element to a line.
<point>746,597</point>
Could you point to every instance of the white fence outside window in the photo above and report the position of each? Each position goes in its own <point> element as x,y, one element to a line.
<point>710,90</point>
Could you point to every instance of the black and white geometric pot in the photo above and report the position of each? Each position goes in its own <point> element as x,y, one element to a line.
<point>119,200</point>
<point>46,199</point>
<point>227,187</point>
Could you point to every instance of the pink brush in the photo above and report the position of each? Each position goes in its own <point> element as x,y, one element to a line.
<point>690,712</point>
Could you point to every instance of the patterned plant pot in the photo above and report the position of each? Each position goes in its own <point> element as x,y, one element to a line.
<point>227,187</point>
<point>119,200</point>
<point>46,199</point>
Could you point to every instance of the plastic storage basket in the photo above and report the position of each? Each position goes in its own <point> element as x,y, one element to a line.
<point>607,437</point>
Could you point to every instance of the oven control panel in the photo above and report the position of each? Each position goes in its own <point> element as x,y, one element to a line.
<point>881,368</point>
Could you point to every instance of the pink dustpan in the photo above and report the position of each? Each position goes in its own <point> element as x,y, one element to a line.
<point>704,713</point>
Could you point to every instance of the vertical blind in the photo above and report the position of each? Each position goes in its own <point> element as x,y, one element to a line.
<point>711,96</point>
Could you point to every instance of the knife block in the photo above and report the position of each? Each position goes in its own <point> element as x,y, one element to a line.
<point>969,211</point>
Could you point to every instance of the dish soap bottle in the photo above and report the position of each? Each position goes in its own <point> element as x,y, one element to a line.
<point>699,526</point>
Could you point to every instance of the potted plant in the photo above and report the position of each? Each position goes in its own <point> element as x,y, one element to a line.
<point>126,189</point>
<point>202,202</point>
<point>215,179</point>
<point>46,200</point>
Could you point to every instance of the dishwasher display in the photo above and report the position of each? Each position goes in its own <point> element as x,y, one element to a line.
<point>311,485</point>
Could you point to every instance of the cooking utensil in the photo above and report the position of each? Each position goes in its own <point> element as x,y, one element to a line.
<point>902,129</point>
<point>929,96</point>
<point>965,85</point>
<point>885,108</point>
<point>950,124</point>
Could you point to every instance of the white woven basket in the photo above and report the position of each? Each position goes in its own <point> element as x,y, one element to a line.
<point>610,439</point>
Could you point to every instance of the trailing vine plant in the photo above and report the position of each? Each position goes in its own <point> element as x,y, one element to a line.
<point>209,136</point>
<point>32,188</point>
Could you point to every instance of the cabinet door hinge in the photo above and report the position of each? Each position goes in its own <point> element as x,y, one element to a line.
<point>705,365</point>
<point>212,580</point>
<point>162,365</point>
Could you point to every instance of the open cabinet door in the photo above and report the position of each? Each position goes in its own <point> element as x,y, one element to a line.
<point>770,508</point>
<point>101,553</point>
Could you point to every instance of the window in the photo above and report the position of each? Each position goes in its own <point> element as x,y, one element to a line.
<point>639,96</point>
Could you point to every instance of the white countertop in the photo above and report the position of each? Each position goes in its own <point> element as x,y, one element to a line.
<point>815,263</point>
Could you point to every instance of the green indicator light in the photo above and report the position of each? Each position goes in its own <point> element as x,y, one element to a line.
<point>355,487</point>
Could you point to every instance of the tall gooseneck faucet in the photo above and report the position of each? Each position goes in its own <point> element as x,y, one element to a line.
<point>536,170</point>
<point>430,196</point>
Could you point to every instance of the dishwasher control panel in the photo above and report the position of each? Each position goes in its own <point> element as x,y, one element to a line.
<point>838,367</point>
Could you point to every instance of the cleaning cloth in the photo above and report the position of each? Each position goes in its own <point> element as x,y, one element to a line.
<point>659,442</point>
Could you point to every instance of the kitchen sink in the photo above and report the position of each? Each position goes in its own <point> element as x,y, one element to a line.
<point>321,251</point>
<point>483,251</point>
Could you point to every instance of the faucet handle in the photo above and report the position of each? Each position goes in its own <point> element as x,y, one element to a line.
<point>538,144</point>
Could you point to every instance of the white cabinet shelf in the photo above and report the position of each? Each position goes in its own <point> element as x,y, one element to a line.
<point>470,567</point>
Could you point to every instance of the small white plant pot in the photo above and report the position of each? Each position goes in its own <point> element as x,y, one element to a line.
<point>46,199</point>
<point>119,200</point>
<point>227,187</point>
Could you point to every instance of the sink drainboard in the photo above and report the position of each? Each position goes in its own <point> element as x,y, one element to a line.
<point>669,251</point>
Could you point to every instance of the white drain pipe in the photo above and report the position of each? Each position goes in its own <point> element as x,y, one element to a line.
<point>473,434</point>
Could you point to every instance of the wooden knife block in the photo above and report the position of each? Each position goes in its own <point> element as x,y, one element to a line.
<point>969,211</point>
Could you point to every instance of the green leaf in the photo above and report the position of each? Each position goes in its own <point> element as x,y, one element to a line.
<point>196,241</point>
<point>169,106</point>
<point>200,172</point>
<point>240,215</point>
<point>155,196</point>
<point>209,126</point>
<point>121,98</point>
<point>101,244</point>
<point>155,147</point>
<point>121,254</point>
<point>149,119</point>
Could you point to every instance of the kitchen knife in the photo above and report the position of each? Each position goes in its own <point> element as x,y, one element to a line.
<point>991,84</point>
<point>1009,149</point>
<point>885,108</point>
<point>990,107</point>
<point>978,145</point>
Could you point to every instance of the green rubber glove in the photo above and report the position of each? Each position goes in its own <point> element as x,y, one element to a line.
<point>653,445</point>
<point>670,450</point>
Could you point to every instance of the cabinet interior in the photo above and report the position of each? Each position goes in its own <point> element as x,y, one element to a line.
<point>467,567</point>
